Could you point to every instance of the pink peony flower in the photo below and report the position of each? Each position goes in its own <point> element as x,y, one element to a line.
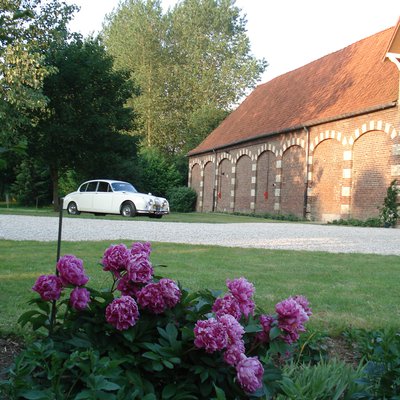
<point>233,329</point>
<point>243,292</point>
<point>115,259</point>
<point>266,323</point>
<point>157,297</point>
<point>128,287</point>
<point>141,248</point>
<point>48,286</point>
<point>234,352</point>
<point>151,297</point>
<point>71,271</point>
<point>227,305</point>
<point>139,269</point>
<point>249,373</point>
<point>170,292</point>
<point>122,313</point>
<point>291,317</point>
<point>210,335</point>
<point>304,303</point>
<point>80,298</point>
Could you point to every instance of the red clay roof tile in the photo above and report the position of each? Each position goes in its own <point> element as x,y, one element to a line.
<point>346,81</point>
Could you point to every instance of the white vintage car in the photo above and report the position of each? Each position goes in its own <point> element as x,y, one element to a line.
<point>104,196</point>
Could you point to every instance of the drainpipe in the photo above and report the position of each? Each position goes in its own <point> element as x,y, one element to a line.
<point>307,170</point>
<point>215,179</point>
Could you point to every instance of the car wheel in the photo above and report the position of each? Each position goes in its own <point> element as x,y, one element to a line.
<point>128,209</point>
<point>158,216</point>
<point>73,208</point>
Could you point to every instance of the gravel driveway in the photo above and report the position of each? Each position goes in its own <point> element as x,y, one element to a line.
<point>335,239</point>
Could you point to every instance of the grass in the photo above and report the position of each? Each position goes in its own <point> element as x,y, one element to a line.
<point>193,217</point>
<point>345,290</point>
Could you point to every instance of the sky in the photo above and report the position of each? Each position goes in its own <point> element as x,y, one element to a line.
<point>286,33</point>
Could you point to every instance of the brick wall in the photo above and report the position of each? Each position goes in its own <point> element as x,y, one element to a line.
<point>350,165</point>
<point>293,181</point>
<point>265,182</point>
<point>242,189</point>
<point>326,184</point>
<point>208,183</point>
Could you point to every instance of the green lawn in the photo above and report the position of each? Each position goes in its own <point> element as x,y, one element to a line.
<point>345,290</point>
<point>213,218</point>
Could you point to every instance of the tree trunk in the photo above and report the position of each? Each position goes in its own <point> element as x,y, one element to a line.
<point>54,180</point>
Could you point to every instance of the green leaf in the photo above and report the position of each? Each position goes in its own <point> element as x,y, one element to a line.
<point>78,342</point>
<point>150,355</point>
<point>33,394</point>
<point>168,364</point>
<point>274,333</point>
<point>220,393</point>
<point>169,391</point>
<point>253,328</point>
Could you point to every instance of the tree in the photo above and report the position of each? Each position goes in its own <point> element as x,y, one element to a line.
<point>84,127</point>
<point>193,59</point>
<point>27,27</point>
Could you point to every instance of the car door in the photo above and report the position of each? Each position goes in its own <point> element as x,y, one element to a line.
<point>102,199</point>
<point>85,202</point>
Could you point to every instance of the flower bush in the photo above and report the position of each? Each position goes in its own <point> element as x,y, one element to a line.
<point>148,338</point>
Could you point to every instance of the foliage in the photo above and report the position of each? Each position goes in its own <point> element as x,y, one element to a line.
<point>381,357</point>
<point>327,380</point>
<point>27,27</point>
<point>182,199</point>
<point>370,222</point>
<point>311,348</point>
<point>155,173</point>
<point>277,217</point>
<point>389,213</point>
<point>192,63</point>
<point>32,185</point>
<point>152,340</point>
<point>84,130</point>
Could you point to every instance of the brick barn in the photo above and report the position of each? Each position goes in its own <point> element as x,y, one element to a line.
<point>322,141</point>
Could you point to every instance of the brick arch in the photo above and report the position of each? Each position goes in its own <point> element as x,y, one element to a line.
<point>208,186</point>
<point>243,183</point>
<point>326,172</point>
<point>371,172</point>
<point>265,181</point>
<point>244,152</point>
<point>195,183</point>
<point>264,148</point>
<point>292,181</point>
<point>292,142</point>
<point>224,156</point>
<point>326,135</point>
<point>373,125</point>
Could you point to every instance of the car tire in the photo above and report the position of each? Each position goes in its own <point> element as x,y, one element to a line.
<point>128,209</point>
<point>73,208</point>
<point>158,216</point>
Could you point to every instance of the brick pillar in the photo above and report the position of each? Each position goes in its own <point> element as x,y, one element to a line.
<point>253,186</point>
<point>233,188</point>
<point>309,187</point>
<point>347,180</point>
<point>278,185</point>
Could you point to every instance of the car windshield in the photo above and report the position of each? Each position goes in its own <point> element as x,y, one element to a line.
<point>123,187</point>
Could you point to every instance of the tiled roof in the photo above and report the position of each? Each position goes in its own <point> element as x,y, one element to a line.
<point>347,81</point>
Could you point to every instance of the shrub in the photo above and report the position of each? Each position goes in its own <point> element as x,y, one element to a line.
<point>155,173</point>
<point>182,199</point>
<point>389,213</point>
<point>326,380</point>
<point>381,358</point>
<point>148,338</point>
